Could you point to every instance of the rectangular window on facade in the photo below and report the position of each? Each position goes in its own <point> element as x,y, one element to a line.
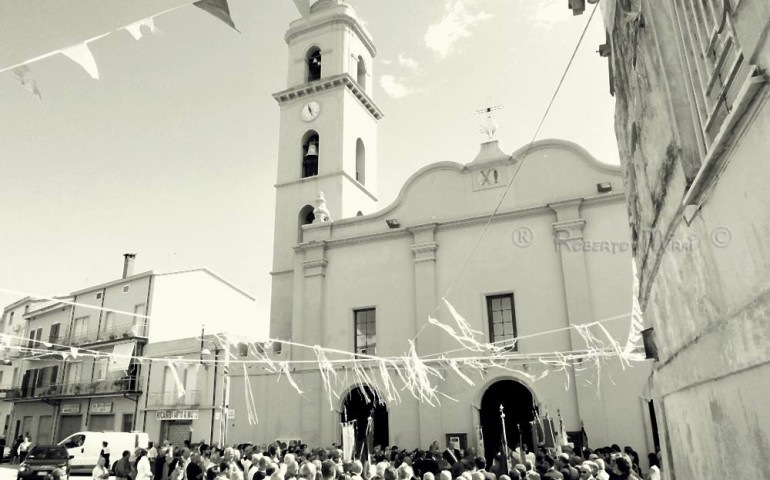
<point>126,288</point>
<point>73,373</point>
<point>109,322</point>
<point>722,81</point>
<point>79,329</point>
<point>139,322</point>
<point>99,295</point>
<point>53,335</point>
<point>366,331</point>
<point>502,320</point>
<point>54,375</point>
<point>128,422</point>
<point>101,369</point>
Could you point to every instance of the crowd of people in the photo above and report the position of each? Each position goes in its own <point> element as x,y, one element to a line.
<point>298,462</point>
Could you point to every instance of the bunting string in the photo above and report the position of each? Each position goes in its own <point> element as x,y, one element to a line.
<point>81,54</point>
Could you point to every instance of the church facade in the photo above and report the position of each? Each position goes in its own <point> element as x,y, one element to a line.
<point>351,275</point>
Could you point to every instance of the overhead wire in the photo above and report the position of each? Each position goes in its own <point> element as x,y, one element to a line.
<point>521,159</point>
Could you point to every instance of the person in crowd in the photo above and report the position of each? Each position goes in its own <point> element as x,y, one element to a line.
<point>143,468</point>
<point>152,452</point>
<point>451,454</point>
<point>15,449</point>
<point>654,472</point>
<point>24,448</point>
<point>122,468</point>
<point>585,472</point>
<point>194,469</point>
<point>100,471</point>
<point>224,471</point>
<point>105,453</point>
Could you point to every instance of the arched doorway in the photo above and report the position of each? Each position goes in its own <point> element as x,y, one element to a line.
<point>518,403</point>
<point>358,405</point>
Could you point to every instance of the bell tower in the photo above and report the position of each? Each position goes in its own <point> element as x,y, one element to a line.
<point>328,136</point>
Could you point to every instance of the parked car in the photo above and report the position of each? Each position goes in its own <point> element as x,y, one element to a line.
<point>42,460</point>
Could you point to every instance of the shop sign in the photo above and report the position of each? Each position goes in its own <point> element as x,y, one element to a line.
<point>70,408</point>
<point>101,407</point>
<point>176,414</point>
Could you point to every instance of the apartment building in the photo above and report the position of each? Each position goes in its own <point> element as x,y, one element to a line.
<point>12,329</point>
<point>76,363</point>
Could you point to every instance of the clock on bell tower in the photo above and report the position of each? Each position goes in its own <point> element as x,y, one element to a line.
<point>328,135</point>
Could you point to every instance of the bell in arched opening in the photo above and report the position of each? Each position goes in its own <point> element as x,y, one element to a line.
<point>310,160</point>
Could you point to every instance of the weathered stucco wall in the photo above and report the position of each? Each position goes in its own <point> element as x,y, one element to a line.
<point>704,286</point>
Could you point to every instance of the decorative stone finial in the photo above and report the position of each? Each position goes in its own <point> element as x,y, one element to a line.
<point>320,212</point>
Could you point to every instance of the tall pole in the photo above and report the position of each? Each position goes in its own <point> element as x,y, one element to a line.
<point>225,392</point>
<point>505,438</point>
<point>214,398</point>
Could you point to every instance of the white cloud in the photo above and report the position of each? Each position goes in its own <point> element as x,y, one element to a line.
<point>549,13</point>
<point>385,61</point>
<point>454,25</point>
<point>394,87</point>
<point>408,62</point>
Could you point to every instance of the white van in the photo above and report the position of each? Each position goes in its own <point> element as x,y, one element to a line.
<point>84,447</point>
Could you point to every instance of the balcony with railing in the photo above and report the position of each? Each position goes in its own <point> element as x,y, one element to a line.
<point>133,329</point>
<point>8,393</point>
<point>128,330</point>
<point>127,384</point>
<point>173,399</point>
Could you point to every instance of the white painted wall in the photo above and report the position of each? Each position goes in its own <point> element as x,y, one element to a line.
<point>183,302</point>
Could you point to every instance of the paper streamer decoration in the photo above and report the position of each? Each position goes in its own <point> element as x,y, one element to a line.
<point>219,9</point>
<point>121,357</point>
<point>81,55</point>
<point>453,365</point>
<point>637,318</point>
<point>135,29</point>
<point>177,380</point>
<point>388,387</point>
<point>327,373</point>
<point>251,407</point>
<point>462,323</point>
<point>466,335</point>
<point>417,377</point>
<point>284,366</point>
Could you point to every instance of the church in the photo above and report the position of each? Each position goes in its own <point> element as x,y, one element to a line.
<point>352,275</point>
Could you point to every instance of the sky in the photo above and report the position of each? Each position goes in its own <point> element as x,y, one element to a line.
<point>171,153</point>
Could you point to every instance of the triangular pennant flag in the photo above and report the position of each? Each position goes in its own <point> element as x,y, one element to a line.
<point>121,357</point>
<point>219,9</point>
<point>74,352</point>
<point>303,6</point>
<point>135,29</point>
<point>23,75</point>
<point>81,55</point>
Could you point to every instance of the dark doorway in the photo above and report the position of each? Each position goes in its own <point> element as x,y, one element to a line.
<point>654,425</point>
<point>518,403</point>
<point>359,405</point>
